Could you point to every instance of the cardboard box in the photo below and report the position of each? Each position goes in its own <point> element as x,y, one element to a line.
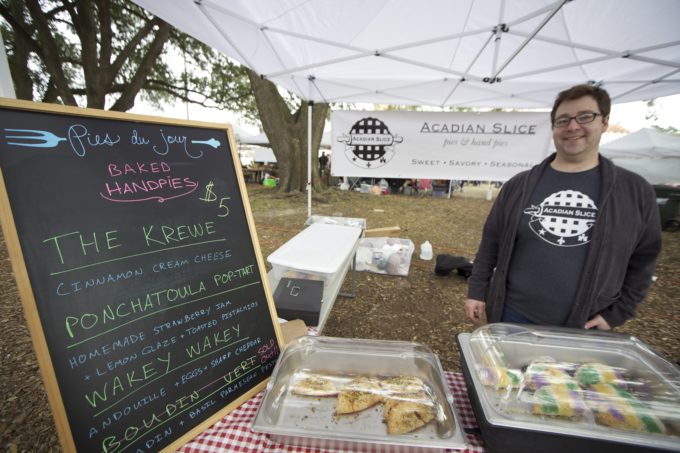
<point>292,330</point>
<point>393,231</point>
<point>299,298</point>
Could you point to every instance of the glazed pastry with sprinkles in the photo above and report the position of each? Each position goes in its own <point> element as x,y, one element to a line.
<point>559,400</point>
<point>618,408</point>
<point>597,373</point>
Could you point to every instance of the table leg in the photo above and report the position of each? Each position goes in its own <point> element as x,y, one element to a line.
<point>353,294</point>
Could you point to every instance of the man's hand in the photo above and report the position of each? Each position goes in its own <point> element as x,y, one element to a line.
<point>598,322</point>
<point>474,310</point>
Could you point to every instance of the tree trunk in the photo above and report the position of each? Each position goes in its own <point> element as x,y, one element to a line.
<point>287,134</point>
<point>95,31</point>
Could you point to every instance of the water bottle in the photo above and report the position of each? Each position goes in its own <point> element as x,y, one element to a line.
<point>426,251</point>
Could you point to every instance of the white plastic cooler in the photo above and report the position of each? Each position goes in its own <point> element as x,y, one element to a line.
<point>319,252</point>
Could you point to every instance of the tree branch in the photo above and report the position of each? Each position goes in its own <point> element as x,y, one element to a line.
<point>22,46</point>
<point>84,25</point>
<point>21,30</point>
<point>50,95</point>
<point>184,95</point>
<point>106,34</point>
<point>126,53</point>
<point>51,52</point>
<point>127,99</point>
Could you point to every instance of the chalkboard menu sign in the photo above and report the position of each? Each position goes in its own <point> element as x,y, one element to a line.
<point>137,263</point>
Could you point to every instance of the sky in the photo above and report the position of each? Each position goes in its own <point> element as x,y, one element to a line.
<point>630,115</point>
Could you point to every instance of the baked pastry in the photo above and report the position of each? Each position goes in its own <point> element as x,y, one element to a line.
<point>559,400</point>
<point>597,373</point>
<point>546,371</point>
<point>402,385</point>
<point>359,394</point>
<point>404,415</point>
<point>499,377</point>
<point>315,386</point>
<point>617,408</point>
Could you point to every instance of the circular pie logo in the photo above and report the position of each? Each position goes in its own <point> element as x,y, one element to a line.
<point>369,143</point>
<point>563,218</point>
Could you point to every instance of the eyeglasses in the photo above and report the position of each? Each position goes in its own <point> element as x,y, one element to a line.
<point>581,118</point>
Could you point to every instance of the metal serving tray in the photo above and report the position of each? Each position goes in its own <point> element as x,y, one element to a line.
<point>311,421</point>
<point>655,381</point>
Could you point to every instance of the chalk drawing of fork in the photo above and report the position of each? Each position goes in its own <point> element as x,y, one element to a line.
<point>33,138</point>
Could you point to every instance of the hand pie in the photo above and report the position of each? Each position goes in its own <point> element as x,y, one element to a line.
<point>403,415</point>
<point>315,386</point>
<point>358,395</point>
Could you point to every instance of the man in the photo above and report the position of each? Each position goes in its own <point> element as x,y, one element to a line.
<point>323,161</point>
<point>573,241</point>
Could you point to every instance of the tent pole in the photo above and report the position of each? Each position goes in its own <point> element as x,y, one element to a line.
<point>309,158</point>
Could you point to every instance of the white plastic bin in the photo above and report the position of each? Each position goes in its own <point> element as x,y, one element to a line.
<point>385,255</point>
<point>319,252</point>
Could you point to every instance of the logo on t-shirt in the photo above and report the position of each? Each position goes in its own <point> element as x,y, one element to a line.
<point>564,218</point>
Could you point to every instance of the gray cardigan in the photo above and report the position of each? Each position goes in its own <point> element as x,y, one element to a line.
<point>626,241</point>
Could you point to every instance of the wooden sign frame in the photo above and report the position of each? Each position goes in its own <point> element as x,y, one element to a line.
<point>29,277</point>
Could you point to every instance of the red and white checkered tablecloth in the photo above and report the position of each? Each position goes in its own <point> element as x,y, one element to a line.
<point>233,433</point>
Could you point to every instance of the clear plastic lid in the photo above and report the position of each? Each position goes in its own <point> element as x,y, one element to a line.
<point>590,383</point>
<point>330,220</point>
<point>353,391</point>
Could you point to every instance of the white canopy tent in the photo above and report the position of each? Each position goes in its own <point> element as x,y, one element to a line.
<point>264,155</point>
<point>241,135</point>
<point>653,154</point>
<point>474,53</point>
<point>647,142</point>
<point>262,140</point>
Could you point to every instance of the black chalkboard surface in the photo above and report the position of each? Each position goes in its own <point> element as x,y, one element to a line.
<point>137,263</point>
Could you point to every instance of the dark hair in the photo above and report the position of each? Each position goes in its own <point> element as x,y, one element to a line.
<point>577,92</point>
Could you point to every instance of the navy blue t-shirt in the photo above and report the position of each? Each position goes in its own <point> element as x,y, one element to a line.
<point>551,245</point>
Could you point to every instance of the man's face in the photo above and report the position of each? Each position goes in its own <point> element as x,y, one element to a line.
<point>575,141</point>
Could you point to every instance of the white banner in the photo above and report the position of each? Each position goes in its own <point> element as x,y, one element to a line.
<point>489,146</point>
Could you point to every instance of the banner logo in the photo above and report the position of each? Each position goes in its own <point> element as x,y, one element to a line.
<point>564,218</point>
<point>369,143</point>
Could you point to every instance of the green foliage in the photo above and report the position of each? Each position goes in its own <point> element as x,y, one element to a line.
<point>668,130</point>
<point>192,71</point>
<point>103,53</point>
<point>420,108</point>
<point>651,114</point>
